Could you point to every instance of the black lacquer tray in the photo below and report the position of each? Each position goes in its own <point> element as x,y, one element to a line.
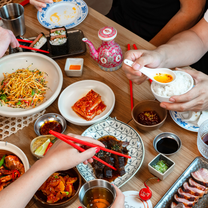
<point>75,44</point>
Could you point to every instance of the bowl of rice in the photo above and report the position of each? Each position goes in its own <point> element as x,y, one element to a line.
<point>182,84</point>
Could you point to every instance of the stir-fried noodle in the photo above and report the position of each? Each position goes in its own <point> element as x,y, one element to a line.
<point>23,88</point>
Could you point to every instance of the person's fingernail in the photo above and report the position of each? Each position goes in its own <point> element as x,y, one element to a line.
<point>136,66</point>
<point>172,99</point>
<point>162,105</point>
<point>97,149</point>
<point>50,1</point>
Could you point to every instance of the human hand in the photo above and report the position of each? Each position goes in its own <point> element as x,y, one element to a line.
<point>62,156</point>
<point>194,100</point>
<point>39,4</point>
<point>119,201</point>
<point>7,38</point>
<point>140,58</point>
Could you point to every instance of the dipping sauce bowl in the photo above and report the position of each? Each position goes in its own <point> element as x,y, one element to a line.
<point>168,162</point>
<point>167,143</point>
<point>97,191</point>
<point>50,121</point>
<point>145,106</point>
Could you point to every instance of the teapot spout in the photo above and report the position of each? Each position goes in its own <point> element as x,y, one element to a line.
<point>93,52</point>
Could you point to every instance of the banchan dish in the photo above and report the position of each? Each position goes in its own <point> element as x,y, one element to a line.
<point>123,132</point>
<point>11,63</point>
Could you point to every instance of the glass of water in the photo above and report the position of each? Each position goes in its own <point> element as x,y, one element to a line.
<point>202,139</point>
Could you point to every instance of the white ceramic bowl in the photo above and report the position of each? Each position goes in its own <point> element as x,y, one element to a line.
<point>6,147</point>
<point>16,61</point>
<point>74,72</point>
<point>165,98</point>
<point>79,89</point>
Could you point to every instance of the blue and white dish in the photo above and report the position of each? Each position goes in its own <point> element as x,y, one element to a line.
<point>123,132</point>
<point>178,119</point>
<point>68,13</point>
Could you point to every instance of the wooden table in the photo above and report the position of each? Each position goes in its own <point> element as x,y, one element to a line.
<point>118,82</point>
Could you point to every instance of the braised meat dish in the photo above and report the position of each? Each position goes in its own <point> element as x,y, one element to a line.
<point>104,172</point>
<point>193,189</point>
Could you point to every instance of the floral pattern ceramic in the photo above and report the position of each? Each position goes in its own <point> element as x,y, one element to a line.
<point>109,55</point>
<point>176,116</point>
<point>82,14</point>
<point>123,132</point>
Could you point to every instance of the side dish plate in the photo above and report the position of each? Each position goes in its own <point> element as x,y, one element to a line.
<point>11,63</point>
<point>198,162</point>
<point>79,89</point>
<point>176,116</point>
<point>68,13</point>
<point>123,132</point>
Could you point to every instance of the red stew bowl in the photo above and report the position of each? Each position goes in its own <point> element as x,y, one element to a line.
<point>41,198</point>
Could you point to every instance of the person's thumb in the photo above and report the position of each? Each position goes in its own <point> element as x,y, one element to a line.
<point>87,154</point>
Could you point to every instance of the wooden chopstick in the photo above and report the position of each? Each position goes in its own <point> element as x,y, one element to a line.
<point>26,41</point>
<point>82,150</point>
<point>56,134</point>
<point>35,49</point>
<point>130,86</point>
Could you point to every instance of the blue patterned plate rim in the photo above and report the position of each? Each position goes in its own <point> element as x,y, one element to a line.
<point>41,16</point>
<point>124,132</point>
<point>186,125</point>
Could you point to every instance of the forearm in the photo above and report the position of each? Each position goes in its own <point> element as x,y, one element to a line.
<point>183,49</point>
<point>23,189</point>
<point>180,22</point>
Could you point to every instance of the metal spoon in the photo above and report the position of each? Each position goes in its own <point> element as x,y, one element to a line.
<point>152,73</point>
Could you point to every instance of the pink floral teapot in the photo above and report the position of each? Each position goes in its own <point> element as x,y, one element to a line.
<point>109,55</point>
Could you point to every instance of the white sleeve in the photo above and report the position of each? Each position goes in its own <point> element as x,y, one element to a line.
<point>206,16</point>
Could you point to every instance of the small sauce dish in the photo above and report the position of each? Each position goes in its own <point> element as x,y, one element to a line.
<point>74,67</point>
<point>49,121</point>
<point>160,157</point>
<point>38,141</point>
<point>167,143</point>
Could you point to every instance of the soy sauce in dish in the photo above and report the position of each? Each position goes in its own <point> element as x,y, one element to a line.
<point>98,197</point>
<point>167,145</point>
<point>205,139</point>
<point>50,125</point>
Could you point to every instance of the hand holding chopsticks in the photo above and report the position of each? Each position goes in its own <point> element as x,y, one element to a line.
<point>56,134</point>
<point>61,137</point>
<point>67,139</point>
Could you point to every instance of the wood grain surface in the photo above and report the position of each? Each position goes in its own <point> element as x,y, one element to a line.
<point>118,82</point>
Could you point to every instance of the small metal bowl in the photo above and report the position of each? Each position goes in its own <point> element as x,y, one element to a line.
<point>96,184</point>
<point>167,135</point>
<point>49,117</point>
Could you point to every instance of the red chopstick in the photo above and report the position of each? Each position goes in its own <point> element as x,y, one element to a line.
<point>23,3</point>
<point>26,41</point>
<point>35,49</point>
<point>135,47</point>
<point>56,134</point>
<point>130,85</point>
<point>81,149</point>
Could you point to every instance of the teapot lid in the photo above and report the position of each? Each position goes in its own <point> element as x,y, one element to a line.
<point>107,33</point>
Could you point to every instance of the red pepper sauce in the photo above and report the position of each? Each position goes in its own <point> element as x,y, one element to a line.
<point>50,125</point>
<point>148,118</point>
